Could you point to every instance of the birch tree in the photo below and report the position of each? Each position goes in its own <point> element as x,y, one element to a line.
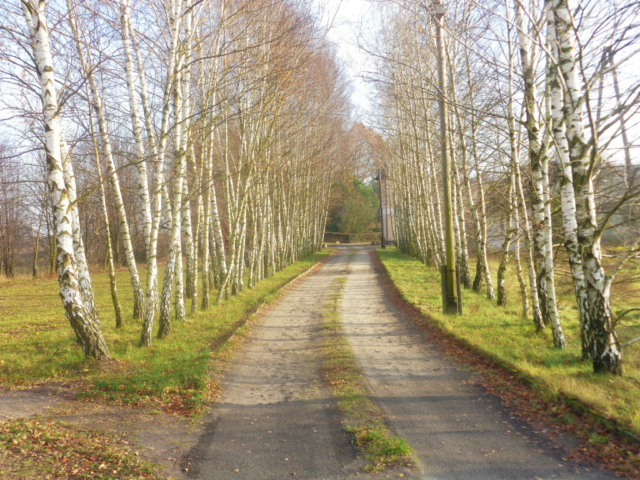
<point>85,326</point>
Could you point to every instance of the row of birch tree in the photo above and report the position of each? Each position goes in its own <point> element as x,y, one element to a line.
<point>542,116</point>
<point>224,117</point>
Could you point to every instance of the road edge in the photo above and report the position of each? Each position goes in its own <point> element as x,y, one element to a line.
<point>512,376</point>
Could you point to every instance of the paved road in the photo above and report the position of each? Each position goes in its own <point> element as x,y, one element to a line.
<point>456,428</point>
<point>277,420</point>
<point>275,417</point>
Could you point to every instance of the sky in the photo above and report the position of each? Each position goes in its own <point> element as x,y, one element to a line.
<point>352,18</point>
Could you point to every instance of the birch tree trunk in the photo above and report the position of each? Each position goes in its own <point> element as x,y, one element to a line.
<point>521,281</point>
<point>533,284</point>
<point>96,102</point>
<point>599,337</point>
<point>188,147</point>
<point>171,272</point>
<point>107,228</point>
<point>482,265</point>
<point>567,196</point>
<point>140,157</point>
<point>84,325</point>
<point>542,285</point>
<point>146,334</point>
<point>506,245</point>
<point>84,279</point>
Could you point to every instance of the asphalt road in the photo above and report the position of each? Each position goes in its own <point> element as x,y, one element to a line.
<point>277,420</point>
<point>457,430</point>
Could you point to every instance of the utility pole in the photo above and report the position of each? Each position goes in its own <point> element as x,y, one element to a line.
<point>387,231</point>
<point>449,275</point>
<point>382,229</point>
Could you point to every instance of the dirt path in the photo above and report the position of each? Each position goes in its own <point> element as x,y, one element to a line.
<point>158,437</point>
<point>29,403</point>
<point>277,420</point>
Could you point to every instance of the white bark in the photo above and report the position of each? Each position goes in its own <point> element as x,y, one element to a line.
<point>96,103</point>
<point>152,279</point>
<point>567,197</point>
<point>140,159</point>
<point>598,334</point>
<point>85,326</point>
<point>170,273</point>
<point>84,279</point>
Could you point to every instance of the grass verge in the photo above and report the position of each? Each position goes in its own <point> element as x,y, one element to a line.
<point>549,388</point>
<point>37,345</point>
<point>40,449</point>
<point>503,334</point>
<point>363,419</point>
<point>177,374</point>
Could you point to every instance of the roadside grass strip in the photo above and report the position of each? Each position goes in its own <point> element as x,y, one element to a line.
<point>503,335</point>
<point>178,374</point>
<point>554,390</point>
<point>38,449</point>
<point>37,346</point>
<point>362,417</point>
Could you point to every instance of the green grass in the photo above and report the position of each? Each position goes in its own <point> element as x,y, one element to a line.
<point>363,419</point>
<point>502,333</point>
<point>38,345</point>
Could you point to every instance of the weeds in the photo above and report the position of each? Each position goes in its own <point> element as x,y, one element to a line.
<point>363,419</point>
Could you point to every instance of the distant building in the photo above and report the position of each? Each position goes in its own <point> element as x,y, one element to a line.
<point>388,223</point>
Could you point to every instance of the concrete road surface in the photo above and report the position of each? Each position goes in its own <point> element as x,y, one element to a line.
<point>277,420</point>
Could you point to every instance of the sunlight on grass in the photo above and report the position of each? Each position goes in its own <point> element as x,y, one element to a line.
<point>37,343</point>
<point>503,333</point>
